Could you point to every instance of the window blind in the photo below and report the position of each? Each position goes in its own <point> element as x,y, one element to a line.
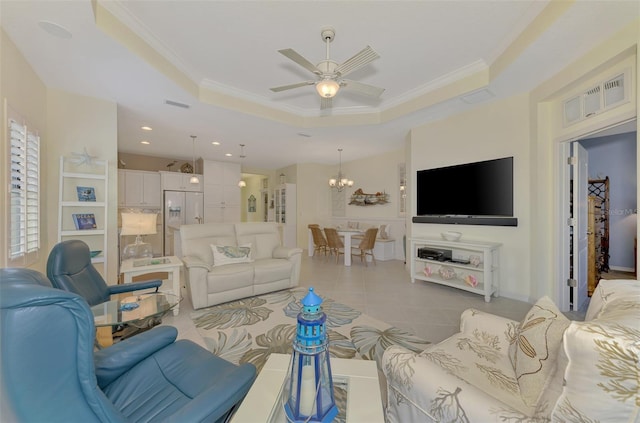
<point>24,203</point>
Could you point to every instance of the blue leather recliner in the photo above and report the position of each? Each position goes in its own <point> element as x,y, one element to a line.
<point>50,372</point>
<point>69,268</point>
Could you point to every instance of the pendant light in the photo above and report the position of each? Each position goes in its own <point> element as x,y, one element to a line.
<point>242,183</point>
<point>340,182</point>
<point>194,179</point>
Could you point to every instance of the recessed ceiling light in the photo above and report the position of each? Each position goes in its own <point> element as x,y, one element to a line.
<point>215,143</point>
<point>228,154</point>
<point>55,29</point>
<point>146,128</point>
<point>145,142</point>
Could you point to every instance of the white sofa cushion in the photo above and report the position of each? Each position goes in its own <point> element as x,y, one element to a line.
<point>197,239</point>
<point>263,236</point>
<point>228,278</point>
<point>271,270</point>
<point>603,374</point>
<point>534,348</point>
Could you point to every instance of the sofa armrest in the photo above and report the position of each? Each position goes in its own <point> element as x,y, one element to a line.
<point>285,253</point>
<point>112,362</point>
<point>423,387</point>
<point>195,276</point>
<point>191,262</point>
<point>500,327</point>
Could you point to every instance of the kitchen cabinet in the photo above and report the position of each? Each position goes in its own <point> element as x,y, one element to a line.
<point>176,181</point>
<point>141,189</point>
<point>221,191</point>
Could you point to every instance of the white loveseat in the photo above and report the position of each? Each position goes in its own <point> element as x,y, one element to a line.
<point>268,267</point>
<point>542,369</point>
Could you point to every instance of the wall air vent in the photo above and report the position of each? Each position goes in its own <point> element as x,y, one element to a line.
<point>614,91</point>
<point>177,104</point>
<point>592,101</point>
<point>597,99</point>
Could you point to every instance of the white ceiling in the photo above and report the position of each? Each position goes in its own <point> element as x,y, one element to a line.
<point>228,50</point>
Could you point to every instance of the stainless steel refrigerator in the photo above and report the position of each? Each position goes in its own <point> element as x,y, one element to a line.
<point>180,208</point>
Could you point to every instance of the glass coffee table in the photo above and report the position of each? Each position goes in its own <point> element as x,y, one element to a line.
<point>359,378</point>
<point>139,311</point>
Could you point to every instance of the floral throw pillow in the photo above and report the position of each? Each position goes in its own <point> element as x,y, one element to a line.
<point>383,232</point>
<point>534,347</point>
<point>224,254</point>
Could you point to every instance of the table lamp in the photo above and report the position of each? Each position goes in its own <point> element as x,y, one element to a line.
<point>138,224</point>
<point>309,396</point>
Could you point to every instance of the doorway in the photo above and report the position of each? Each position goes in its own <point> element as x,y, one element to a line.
<point>610,241</point>
<point>252,197</point>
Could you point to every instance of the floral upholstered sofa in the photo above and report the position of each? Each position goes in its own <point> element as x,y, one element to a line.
<point>543,369</point>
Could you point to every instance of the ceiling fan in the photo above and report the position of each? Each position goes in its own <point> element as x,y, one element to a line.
<point>330,74</point>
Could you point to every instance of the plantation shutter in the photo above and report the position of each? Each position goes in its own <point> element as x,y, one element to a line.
<point>24,203</point>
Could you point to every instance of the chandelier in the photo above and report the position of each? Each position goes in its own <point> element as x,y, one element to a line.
<point>340,182</point>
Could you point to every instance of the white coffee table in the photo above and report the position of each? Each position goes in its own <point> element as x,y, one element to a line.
<point>263,403</point>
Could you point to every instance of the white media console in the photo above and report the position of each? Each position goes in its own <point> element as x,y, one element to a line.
<point>472,265</point>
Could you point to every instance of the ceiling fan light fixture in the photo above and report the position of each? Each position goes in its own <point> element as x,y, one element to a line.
<point>327,88</point>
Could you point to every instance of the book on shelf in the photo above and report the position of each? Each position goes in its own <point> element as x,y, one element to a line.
<point>86,193</point>
<point>84,220</point>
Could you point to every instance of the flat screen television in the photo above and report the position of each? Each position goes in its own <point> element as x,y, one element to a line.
<point>479,189</point>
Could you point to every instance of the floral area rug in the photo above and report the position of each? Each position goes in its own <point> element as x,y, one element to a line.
<point>250,329</point>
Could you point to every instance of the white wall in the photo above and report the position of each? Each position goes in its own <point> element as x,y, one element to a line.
<point>548,163</point>
<point>24,92</point>
<point>74,123</point>
<point>372,174</point>
<point>498,129</point>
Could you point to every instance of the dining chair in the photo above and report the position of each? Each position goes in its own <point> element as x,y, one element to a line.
<point>334,242</point>
<point>319,241</point>
<point>365,248</point>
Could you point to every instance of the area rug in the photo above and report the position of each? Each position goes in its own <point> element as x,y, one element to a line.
<point>250,329</point>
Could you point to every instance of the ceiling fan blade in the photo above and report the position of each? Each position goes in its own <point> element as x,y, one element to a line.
<point>360,88</point>
<point>291,86</point>
<point>326,103</point>
<point>360,59</point>
<point>296,57</point>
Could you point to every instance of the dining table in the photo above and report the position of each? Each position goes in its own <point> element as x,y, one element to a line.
<point>346,234</point>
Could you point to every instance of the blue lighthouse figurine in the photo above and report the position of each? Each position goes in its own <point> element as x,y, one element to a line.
<point>310,391</point>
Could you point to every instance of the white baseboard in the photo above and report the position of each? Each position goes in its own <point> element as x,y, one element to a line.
<point>622,269</point>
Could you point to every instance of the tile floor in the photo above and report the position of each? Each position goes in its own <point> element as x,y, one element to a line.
<point>385,292</point>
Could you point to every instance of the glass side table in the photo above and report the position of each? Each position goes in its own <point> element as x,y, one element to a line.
<point>138,311</point>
